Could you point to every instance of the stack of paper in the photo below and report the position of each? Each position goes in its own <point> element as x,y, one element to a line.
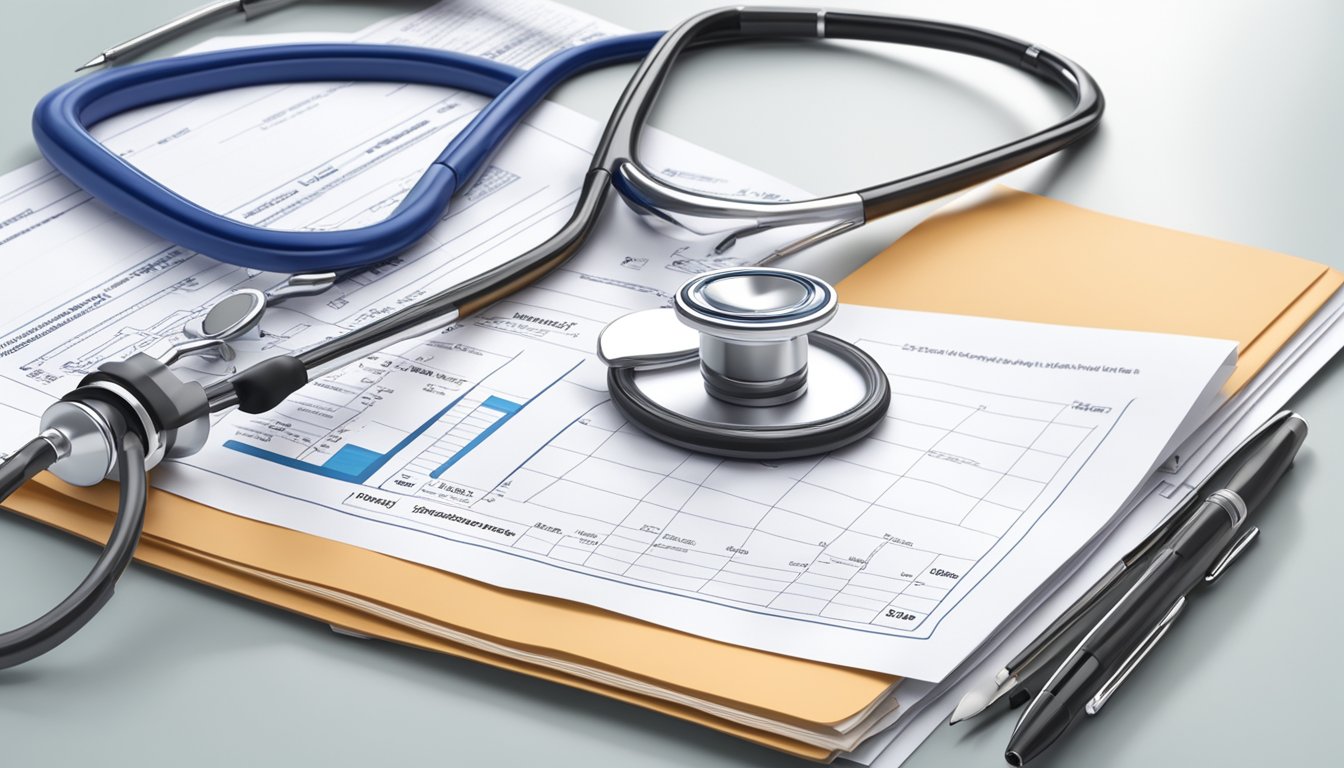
<point>1042,260</point>
<point>473,492</point>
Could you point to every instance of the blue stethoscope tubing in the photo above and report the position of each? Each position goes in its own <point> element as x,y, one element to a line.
<point>62,120</point>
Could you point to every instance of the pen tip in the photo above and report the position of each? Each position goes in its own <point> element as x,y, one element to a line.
<point>96,61</point>
<point>973,703</point>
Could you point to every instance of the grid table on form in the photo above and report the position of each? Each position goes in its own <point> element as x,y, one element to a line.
<point>877,533</point>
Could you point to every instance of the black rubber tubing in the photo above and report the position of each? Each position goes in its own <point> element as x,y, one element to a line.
<point>57,625</point>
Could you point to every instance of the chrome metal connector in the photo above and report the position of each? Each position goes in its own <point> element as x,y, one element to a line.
<point>686,215</point>
<point>82,435</point>
<point>1232,503</point>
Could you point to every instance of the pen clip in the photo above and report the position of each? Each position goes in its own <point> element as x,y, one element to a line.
<point>1160,533</point>
<point>1230,554</point>
<point>1112,685</point>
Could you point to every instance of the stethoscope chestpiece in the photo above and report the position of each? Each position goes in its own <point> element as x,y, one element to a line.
<point>738,368</point>
<point>753,326</point>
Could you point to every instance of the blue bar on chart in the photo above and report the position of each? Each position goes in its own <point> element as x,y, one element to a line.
<point>351,463</point>
<point>482,422</point>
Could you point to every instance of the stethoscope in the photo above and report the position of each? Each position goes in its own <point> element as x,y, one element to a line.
<point>756,354</point>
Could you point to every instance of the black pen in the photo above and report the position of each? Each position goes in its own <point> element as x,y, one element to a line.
<point>1023,676</point>
<point>1198,551</point>
<point>1031,673</point>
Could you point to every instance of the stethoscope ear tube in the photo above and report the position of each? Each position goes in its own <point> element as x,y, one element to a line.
<point>67,618</point>
<point>620,140</point>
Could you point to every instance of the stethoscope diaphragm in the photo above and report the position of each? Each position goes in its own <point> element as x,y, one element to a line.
<point>737,368</point>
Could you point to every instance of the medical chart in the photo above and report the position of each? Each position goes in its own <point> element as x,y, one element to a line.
<point>491,449</point>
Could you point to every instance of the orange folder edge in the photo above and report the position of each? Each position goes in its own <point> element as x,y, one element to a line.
<point>1019,256</point>
<point>93,523</point>
<point>802,692</point>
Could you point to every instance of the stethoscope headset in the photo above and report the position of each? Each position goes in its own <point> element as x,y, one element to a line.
<point>129,415</point>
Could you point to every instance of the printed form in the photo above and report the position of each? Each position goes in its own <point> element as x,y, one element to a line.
<point>491,449</point>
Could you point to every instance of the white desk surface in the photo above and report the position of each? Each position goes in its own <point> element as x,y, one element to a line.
<point>1223,119</point>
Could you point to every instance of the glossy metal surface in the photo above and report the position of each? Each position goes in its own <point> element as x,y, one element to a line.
<point>752,325</point>
<point>1230,556</point>
<point>686,215</point>
<point>156,448</point>
<point>846,396</point>
<point>651,338</point>
<point>834,387</point>
<point>90,453</point>
<point>169,352</point>
<point>755,304</point>
<point>232,316</point>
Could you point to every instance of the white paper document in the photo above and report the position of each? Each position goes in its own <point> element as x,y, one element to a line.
<point>1314,345</point>
<point>1303,357</point>
<point>493,451</point>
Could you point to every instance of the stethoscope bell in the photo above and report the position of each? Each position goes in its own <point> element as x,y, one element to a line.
<point>738,368</point>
